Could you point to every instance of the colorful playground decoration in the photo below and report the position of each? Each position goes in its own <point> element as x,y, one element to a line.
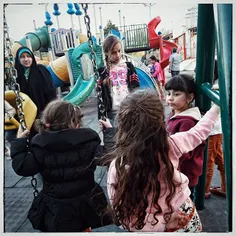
<point>156,41</point>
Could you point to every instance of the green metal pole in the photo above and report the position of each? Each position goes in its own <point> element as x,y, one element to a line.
<point>212,94</point>
<point>224,46</point>
<point>204,73</point>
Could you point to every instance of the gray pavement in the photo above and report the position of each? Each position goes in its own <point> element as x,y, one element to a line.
<point>18,193</point>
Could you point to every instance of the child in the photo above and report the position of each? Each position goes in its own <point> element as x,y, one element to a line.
<point>63,153</point>
<point>146,190</point>
<point>10,111</point>
<point>215,153</point>
<point>118,78</point>
<point>180,94</point>
<point>157,74</point>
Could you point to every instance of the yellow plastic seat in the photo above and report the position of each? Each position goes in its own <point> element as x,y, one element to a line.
<point>29,109</point>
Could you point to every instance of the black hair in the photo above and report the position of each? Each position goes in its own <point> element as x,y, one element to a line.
<point>215,71</point>
<point>182,82</point>
<point>153,58</point>
<point>174,50</point>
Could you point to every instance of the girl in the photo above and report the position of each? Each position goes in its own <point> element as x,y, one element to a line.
<point>63,153</point>
<point>146,190</point>
<point>157,74</point>
<point>118,78</point>
<point>180,94</point>
<point>34,80</point>
<point>215,153</point>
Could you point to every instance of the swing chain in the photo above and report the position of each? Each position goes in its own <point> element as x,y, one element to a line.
<point>93,59</point>
<point>34,185</point>
<point>11,75</point>
<point>10,71</point>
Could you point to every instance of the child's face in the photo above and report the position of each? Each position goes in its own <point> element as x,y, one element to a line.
<point>153,62</point>
<point>26,60</point>
<point>178,100</point>
<point>116,53</point>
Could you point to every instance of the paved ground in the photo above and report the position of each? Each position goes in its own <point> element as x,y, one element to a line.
<point>18,193</point>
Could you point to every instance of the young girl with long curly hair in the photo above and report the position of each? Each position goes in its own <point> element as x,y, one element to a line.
<point>145,188</point>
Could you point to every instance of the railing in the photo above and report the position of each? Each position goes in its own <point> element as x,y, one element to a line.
<point>136,37</point>
<point>57,40</point>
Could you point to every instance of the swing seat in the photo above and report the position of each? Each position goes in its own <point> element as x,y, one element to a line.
<point>29,109</point>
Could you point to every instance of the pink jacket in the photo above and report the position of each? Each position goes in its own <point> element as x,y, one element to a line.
<point>158,72</point>
<point>179,143</point>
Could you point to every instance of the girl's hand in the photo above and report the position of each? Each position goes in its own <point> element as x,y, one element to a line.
<point>215,87</point>
<point>177,221</point>
<point>215,109</point>
<point>21,133</point>
<point>105,123</point>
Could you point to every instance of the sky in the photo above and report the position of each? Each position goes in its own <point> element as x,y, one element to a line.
<point>20,17</point>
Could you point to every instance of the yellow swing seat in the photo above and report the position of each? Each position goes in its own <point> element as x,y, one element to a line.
<point>29,109</point>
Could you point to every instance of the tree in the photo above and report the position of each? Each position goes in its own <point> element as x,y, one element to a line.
<point>109,27</point>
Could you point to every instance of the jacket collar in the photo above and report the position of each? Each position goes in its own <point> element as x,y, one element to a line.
<point>64,139</point>
<point>193,112</point>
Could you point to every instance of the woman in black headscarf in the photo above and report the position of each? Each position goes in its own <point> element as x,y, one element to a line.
<point>34,80</point>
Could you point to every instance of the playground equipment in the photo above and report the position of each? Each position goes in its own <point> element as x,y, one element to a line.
<point>82,88</point>
<point>68,67</point>
<point>28,106</point>
<point>143,37</point>
<point>156,41</point>
<point>216,34</point>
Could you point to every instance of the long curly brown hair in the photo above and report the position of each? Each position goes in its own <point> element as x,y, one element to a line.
<point>141,143</point>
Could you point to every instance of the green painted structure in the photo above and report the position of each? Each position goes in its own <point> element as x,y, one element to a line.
<point>39,39</point>
<point>215,33</point>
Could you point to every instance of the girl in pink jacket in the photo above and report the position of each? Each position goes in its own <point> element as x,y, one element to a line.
<point>157,74</point>
<point>145,188</point>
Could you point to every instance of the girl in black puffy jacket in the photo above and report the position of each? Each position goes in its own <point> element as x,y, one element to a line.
<point>63,153</point>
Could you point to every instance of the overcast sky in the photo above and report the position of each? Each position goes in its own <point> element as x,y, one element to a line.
<point>20,17</point>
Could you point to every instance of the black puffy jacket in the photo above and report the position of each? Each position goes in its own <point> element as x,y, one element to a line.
<point>70,201</point>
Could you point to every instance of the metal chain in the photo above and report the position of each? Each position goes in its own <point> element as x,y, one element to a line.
<point>10,72</point>
<point>93,59</point>
<point>11,75</point>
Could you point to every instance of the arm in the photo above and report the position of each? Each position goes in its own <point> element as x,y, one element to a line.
<point>156,72</point>
<point>47,84</point>
<point>184,142</point>
<point>24,162</point>
<point>111,179</point>
<point>102,150</point>
<point>170,63</point>
<point>133,80</point>
<point>185,126</point>
<point>104,90</point>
